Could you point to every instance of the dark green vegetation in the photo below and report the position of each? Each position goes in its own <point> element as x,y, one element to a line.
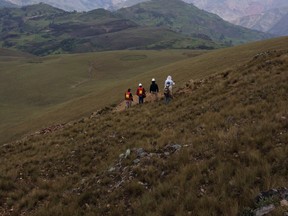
<point>229,117</point>
<point>188,20</point>
<point>42,30</point>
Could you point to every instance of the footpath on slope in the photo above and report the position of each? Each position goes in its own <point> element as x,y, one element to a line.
<point>149,98</point>
<point>119,108</point>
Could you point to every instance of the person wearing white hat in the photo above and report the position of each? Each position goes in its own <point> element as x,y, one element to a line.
<point>170,83</point>
<point>141,93</point>
<point>154,89</point>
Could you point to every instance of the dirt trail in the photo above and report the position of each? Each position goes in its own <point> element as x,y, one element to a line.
<point>149,98</point>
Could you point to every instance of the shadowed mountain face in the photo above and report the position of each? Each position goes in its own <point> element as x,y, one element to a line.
<point>186,18</point>
<point>42,29</point>
<point>4,3</point>
<point>281,28</point>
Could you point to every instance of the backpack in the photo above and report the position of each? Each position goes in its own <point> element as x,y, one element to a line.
<point>166,91</point>
<point>141,92</point>
<point>127,95</point>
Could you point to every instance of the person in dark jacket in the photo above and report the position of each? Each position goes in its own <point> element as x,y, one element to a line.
<point>154,89</point>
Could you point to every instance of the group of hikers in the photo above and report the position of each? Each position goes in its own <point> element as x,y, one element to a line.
<point>154,91</point>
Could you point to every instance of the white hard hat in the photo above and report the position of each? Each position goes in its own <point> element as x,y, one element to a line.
<point>140,84</point>
<point>153,79</point>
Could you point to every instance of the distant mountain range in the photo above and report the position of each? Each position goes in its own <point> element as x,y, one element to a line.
<point>262,15</point>
<point>259,15</point>
<point>187,19</point>
<point>281,28</point>
<point>42,29</point>
<point>270,21</point>
<point>227,9</point>
<point>4,3</point>
<point>231,10</point>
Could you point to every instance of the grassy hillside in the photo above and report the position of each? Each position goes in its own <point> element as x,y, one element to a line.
<point>39,92</point>
<point>36,92</point>
<point>219,143</point>
<point>42,30</point>
<point>12,53</point>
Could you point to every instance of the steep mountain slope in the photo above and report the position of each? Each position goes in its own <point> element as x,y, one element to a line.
<point>42,29</point>
<point>187,19</point>
<point>4,3</point>
<point>127,3</point>
<point>227,9</point>
<point>263,21</point>
<point>221,141</point>
<point>281,28</point>
<point>233,9</point>
<point>68,5</point>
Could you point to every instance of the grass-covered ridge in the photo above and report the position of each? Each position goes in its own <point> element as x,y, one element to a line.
<point>221,141</point>
<point>37,92</point>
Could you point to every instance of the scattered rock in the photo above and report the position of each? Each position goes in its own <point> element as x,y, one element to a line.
<point>268,200</point>
<point>136,161</point>
<point>141,153</point>
<point>112,169</point>
<point>6,145</point>
<point>176,147</point>
<point>172,148</point>
<point>281,193</point>
<point>166,153</point>
<point>264,210</point>
<point>284,202</point>
<point>128,152</point>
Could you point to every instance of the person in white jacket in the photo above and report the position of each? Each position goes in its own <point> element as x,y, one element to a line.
<point>169,82</point>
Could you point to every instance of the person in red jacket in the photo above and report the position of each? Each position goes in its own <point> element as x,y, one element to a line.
<point>141,93</point>
<point>128,98</point>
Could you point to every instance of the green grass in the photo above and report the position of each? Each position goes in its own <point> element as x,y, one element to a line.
<point>37,92</point>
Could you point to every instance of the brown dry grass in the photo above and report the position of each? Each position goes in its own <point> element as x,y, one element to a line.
<point>233,129</point>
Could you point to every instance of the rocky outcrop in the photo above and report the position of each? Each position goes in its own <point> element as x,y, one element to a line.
<point>268,201</point>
